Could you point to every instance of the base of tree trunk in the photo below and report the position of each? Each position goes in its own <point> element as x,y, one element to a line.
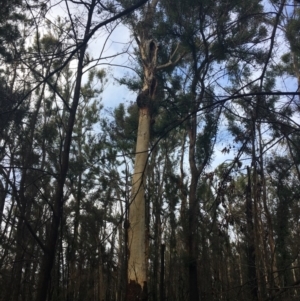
<point>135,292</point>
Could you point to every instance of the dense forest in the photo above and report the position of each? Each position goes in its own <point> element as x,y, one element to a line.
<point>162,168</point>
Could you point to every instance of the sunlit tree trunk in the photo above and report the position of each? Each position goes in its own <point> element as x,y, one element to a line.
<point>137,262</point>
<point>137,250</point>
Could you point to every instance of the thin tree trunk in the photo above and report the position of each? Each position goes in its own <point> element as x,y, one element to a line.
<point>49,255</point>
<point>162,272</point>
<point>24,204</point>
<point>274,279</point>
<point>122,271</point>
<point>3,194</point>
<point>73,285</point>
<point>193,215</point>
<point>250,241</point>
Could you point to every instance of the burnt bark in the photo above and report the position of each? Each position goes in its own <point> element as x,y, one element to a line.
<point>135,292</point>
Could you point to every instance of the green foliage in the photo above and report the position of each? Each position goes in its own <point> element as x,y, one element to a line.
<point>10,14</point>
<point>293,32</point>
<point>49,132</point>
<point>205,141</point>
<point>123,129</point>
<point>224,56</point>
<point>10,108</point>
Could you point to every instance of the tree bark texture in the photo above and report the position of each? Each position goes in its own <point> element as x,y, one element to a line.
<point>137,262</point>
<point>137,240</point>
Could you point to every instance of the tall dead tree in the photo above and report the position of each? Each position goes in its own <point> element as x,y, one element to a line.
<point>137,240</point>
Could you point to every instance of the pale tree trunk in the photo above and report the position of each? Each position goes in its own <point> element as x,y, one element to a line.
<point>137,261</point>
<point>137,249</point>
<point>137,240</point>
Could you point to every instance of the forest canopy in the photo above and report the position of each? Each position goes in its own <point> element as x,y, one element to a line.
<point>149,150</point>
